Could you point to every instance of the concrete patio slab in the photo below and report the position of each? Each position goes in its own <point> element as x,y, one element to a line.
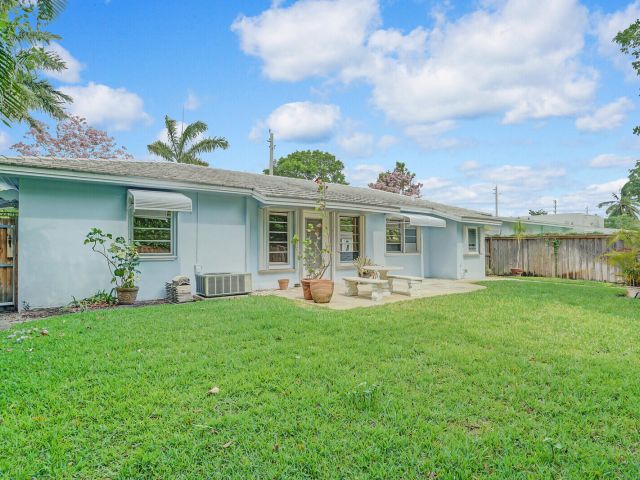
<point>431,287</point>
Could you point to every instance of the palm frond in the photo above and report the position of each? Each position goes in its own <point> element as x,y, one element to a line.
<point>162,150</point>
<point>208,145</point>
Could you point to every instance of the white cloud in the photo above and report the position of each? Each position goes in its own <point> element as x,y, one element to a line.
<point>192,102</point>
<point>386,141</point>
<point>606,26</point>
<point>469,166</point>
<point>357,144</point>
<point>363,174</point>
<point>429,136</point>
<point>72,73</point>
<point>300,121</point>
<point>606,160</point>
<point>523,176</point>
<point>607,117</point>
<point>308,38</point>
<point>5,140</point>
<point>100,104</point>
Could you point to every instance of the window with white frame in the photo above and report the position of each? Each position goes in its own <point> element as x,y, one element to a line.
<point>278,235</point>
<point>154,233</point>
<point>472,240</point>
<point>350,241</point>
<point>401,237</point>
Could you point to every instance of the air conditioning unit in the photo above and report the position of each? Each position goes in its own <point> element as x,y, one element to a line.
<point>221,284</point>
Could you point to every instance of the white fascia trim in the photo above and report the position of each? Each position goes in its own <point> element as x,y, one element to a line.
<point>296,203</point>
<point>481,222</point>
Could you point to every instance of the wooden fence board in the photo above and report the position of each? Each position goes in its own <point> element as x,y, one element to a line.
<point>579,257</point>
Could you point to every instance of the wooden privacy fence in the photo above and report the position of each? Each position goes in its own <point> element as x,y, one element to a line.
<point>566,256</point>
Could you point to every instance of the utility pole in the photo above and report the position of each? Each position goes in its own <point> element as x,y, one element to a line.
<point>587,210</point>
<point>271,147</point>
<point>555,207</point>
<point>495,191</point>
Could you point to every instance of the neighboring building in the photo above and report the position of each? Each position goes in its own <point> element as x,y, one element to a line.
<point>552,223</point>
<point>191,219</point>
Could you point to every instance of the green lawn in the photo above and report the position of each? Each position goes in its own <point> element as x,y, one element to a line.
<point>521,380</point>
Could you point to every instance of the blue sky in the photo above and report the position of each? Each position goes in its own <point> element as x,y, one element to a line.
<point>530,95</point>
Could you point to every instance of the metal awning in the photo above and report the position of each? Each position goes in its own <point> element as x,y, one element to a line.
<point>418,220</point>
<point>152,200</point>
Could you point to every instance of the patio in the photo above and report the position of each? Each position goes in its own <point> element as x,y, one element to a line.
<point>431,287</point>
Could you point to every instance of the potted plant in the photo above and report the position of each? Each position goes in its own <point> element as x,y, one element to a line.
<point>627,259</point>
<point>518,231</point>
<point>283,283</point>
<point>361,262</point>
<point>315,257</point>
<point>122,260</point>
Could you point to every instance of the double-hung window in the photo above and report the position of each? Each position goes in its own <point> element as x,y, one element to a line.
<point>278,245</point>
<point>154,233</point>
<point>472,240</point>
<point>350,241</point>
<point>401,237</point>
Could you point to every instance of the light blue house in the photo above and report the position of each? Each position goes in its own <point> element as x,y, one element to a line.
<point>191,219</point>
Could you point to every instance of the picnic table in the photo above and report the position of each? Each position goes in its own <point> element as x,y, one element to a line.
<point>380,270</point>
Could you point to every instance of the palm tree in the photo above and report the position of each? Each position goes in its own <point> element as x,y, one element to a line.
<point>621,205</point>
<point>23,55</point>
<point>186,147</point>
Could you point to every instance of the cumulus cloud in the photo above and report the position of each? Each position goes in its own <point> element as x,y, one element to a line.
<point>300,122</point>
<point>606,26</point>
<point>523,176</point>
<point>606,160</point>
<point>5,140</point>
<point>469,166</point>
<point>116,108</point>
<point>308,38</point>
<point>72,73</point>
<point>363,174</point>
<point>386,141</point>
<point>357,144</point>
<point>192,101</point>
<point>607,117</point>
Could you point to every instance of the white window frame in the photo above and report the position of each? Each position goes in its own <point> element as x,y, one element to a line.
<point>173,241</point>
<point>403,226</point>
<point>267,265</point>
<point>467,250</point>
<point>338,239</point>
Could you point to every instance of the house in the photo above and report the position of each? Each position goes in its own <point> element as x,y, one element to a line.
<point>190,219</point>
<point>572,223</point>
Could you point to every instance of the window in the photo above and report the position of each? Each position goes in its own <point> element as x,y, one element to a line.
<point>154,232</point>
<point>473,240</point>
<point>279,238</point>
<point>349,240</point>
<point>402,237</point>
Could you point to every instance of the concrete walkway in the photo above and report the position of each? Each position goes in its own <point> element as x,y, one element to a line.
<point>431,287</point>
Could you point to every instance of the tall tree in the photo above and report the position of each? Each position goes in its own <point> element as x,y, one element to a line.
<point>631,189</point>
<point>629,42</point>
<point>23,56</point>
<point>620,206</point>
<point>74,139</point>
<point>399,180</point>
<point>310,165</point>
<point>186,146</point>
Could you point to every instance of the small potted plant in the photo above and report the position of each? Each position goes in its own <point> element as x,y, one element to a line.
<point>314,255</point>
<point>283,283</point>
<point>627,259</point>
<point>122,260</point>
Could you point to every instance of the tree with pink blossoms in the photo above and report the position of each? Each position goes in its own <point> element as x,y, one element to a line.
<point>74,138</point>
<point>399,180</point>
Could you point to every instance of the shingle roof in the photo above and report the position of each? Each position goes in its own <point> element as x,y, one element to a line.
<point>264,185</point>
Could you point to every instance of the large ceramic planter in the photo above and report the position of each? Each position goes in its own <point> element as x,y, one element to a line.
<point>306,288</point>
<point>126,296</point>
<point>322,290</point>
<point>517,271</point>
<point>633,292</point>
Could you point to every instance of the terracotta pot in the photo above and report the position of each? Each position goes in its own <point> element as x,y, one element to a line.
<point>517,271</point>
<point>127,296</point>
<point>633,292</point>
<point>322,290</point>
<point>283,283</point>
<point>306,288</point>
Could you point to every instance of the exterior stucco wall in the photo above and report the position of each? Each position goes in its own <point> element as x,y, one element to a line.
<point>473,265</point>
<point>445,251</point>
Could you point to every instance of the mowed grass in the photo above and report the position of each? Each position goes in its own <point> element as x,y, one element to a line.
<point>521,380</point>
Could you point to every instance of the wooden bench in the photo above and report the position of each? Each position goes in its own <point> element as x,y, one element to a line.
<point>378,287</point>
<point>414,284</point>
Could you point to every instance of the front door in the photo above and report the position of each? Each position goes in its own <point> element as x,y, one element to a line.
<point>318,235</point>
